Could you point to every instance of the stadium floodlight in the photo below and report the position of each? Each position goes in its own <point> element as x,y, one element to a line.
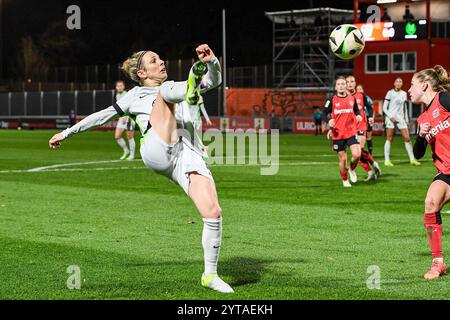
<point>386,1</point>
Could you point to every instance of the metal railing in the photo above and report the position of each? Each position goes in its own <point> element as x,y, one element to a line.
<point>51,104</point>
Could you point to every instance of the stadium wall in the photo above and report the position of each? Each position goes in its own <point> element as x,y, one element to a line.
<point>376,84</point>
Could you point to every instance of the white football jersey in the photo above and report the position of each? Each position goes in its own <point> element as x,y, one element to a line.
<point>138,103</point>
<point>395,104</point>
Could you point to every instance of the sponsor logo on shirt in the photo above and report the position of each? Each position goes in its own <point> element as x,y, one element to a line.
<point>437,129</point>
<point>342,111</point>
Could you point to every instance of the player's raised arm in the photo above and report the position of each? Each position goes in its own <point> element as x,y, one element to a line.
<point>175,92</point>
<point>95,120</point>
<point>213,77</point>
<point>92,121</point>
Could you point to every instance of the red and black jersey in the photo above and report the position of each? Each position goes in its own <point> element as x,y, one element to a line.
<point>438,116</point>
<point>361,101</point>
<point>343,110</point>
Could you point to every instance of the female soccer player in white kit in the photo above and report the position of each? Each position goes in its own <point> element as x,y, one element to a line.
<point>163,149</point>
<point>394,109</point>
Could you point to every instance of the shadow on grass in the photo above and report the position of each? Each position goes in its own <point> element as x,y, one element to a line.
<point>246,270</point>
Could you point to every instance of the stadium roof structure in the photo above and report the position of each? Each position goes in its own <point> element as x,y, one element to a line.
<point>308,15</point>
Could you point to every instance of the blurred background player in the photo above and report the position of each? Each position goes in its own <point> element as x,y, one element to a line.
<point>318,120</point>
<point>343,108</point>
<point>72,118</point>
<point>394,108</point>
<point>124,124</point>
<point>360,88</point>
<point>366,160</point>
<point>431,87</point>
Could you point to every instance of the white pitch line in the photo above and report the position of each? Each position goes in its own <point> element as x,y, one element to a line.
<point>61,167</point>
<point>72,165</point>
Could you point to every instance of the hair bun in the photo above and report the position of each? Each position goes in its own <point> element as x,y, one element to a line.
<point>441,73</point>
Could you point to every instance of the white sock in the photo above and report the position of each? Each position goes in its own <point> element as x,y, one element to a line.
<point>132,147</point>
<point>387,150</point>
<point>122,144</point>
<point>409,149</point>
<point>211,241</point>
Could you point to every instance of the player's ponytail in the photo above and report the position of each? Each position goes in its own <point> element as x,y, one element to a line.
<point>437,77</point>
<point>132,65</point>
<point>443,79</point>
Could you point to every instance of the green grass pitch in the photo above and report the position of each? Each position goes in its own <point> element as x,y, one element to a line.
<point>135,235</point>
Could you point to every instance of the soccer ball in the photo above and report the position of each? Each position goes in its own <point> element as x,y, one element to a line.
<point>347,41</point>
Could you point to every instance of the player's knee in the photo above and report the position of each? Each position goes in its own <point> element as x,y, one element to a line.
<point>343,159</point>
<point>215,212</point>
<point>431,204</point>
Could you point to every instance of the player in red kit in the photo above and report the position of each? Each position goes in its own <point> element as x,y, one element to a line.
<point>431,87</point>
<point>366,158</point>
<point>344,117</point>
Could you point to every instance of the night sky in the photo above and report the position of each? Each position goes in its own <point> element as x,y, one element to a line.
<point>111,30</point>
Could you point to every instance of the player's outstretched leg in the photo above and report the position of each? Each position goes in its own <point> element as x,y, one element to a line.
<point>366,162</point>
<point>198,70</point>
<point>203,193</point>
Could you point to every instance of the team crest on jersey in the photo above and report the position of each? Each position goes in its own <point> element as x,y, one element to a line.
<point>352,103</point>
<point>436,113</point>
<point>338,104</point>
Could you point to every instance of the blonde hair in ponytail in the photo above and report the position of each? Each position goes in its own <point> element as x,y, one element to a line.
<point>132,65</point>
<point>437,76</point>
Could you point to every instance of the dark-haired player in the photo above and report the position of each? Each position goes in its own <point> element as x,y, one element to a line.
<point>366,158</point>
<point>360,88</point>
